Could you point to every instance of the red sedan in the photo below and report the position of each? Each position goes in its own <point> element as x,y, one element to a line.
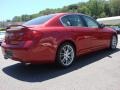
<point>56,38</point>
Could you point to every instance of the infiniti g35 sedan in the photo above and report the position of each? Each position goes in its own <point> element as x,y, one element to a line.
<point>57,38</point>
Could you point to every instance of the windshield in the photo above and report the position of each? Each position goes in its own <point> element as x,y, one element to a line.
<point>39,20</point>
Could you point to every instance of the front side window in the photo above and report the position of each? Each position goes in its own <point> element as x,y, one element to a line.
<point>39,20</point>
<point>90,22</point>
<point>72,20</point>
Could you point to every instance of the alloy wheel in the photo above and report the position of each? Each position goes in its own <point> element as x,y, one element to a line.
<point>66,55</point>
<point>114,42</point>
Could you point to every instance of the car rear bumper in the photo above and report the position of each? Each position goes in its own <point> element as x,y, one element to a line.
<point>37,54</point>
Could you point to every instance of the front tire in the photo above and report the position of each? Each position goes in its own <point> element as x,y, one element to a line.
<point>113,43</point>
<point>65,55</point>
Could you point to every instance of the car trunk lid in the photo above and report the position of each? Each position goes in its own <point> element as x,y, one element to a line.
<point>18,33</point>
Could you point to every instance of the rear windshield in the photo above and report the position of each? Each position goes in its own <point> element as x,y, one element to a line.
<point>39,20</point>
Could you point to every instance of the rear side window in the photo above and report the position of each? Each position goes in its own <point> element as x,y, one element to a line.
<point>72,20</point>
<point>39,20</point>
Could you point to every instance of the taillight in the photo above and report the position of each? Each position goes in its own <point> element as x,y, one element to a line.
<point>14,35</point>
<point>31,35</point>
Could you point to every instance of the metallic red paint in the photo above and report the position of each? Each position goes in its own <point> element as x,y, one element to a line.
<point>49,36</point>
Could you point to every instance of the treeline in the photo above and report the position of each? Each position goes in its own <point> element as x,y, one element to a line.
<point>95,8</point>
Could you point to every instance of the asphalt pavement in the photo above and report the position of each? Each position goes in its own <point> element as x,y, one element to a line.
<point>96,71</point>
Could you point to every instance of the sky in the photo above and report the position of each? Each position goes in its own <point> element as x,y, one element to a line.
<point>11,8</point>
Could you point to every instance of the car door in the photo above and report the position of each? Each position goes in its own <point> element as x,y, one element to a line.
<point>96,32</point>
<point>83,36</point>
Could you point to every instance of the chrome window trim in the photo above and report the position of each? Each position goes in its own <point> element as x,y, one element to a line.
<point>75,14</point>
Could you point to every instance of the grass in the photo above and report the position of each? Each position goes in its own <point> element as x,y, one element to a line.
<point>2,29</point>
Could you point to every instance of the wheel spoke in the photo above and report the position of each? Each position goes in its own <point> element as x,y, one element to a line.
<point>64,60</point>
<point>69,53</point>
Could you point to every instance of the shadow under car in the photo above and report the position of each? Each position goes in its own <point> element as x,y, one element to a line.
<point>39,73</point>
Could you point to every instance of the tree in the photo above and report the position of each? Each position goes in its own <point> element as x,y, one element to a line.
<point>107,9</point>
<point>25,17</point>
<point>34,16</point>
<point>115,7</point>
<point>83,8</point>
<point>16,19</point>
<point>8,20</point>
<point>73,6</point>
<point>96,7</point>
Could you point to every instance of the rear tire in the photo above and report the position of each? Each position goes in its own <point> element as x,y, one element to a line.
<point>65,55</point>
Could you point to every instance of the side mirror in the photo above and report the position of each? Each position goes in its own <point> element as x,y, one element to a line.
<point>102,25</point>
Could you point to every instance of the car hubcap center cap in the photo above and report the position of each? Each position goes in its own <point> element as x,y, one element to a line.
<point>66,55</point>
